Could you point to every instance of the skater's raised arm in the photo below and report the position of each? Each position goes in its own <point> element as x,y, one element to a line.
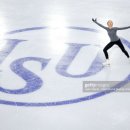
<point>95,21</point>
<point>122,28</point>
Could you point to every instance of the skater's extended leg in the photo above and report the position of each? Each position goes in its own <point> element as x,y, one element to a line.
<point>119,43</point>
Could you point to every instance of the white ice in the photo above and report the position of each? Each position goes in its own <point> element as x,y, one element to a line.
<point>108,112</point>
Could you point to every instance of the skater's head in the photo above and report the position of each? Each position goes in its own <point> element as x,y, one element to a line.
<point>110,23</point>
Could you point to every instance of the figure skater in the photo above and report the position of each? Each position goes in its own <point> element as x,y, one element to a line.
<point>114,39</point>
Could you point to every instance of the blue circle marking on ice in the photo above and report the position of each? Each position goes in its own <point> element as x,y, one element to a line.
<point>71,101</point>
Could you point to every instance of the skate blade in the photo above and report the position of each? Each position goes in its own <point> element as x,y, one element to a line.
<point>106,65</point>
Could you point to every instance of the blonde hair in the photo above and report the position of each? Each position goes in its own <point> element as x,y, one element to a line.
<point>109,21</point>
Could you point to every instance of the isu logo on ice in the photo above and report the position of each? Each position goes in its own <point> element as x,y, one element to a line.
<point>46,67</point>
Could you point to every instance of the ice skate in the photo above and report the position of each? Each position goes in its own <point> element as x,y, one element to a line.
<point>107,63</point>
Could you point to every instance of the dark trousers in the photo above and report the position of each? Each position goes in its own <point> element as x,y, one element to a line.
<point>118,43</point>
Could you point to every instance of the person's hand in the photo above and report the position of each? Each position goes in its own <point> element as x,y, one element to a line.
<point>94,20</point>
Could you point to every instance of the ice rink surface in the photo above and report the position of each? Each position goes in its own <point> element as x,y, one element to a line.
<point>48,49</point>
